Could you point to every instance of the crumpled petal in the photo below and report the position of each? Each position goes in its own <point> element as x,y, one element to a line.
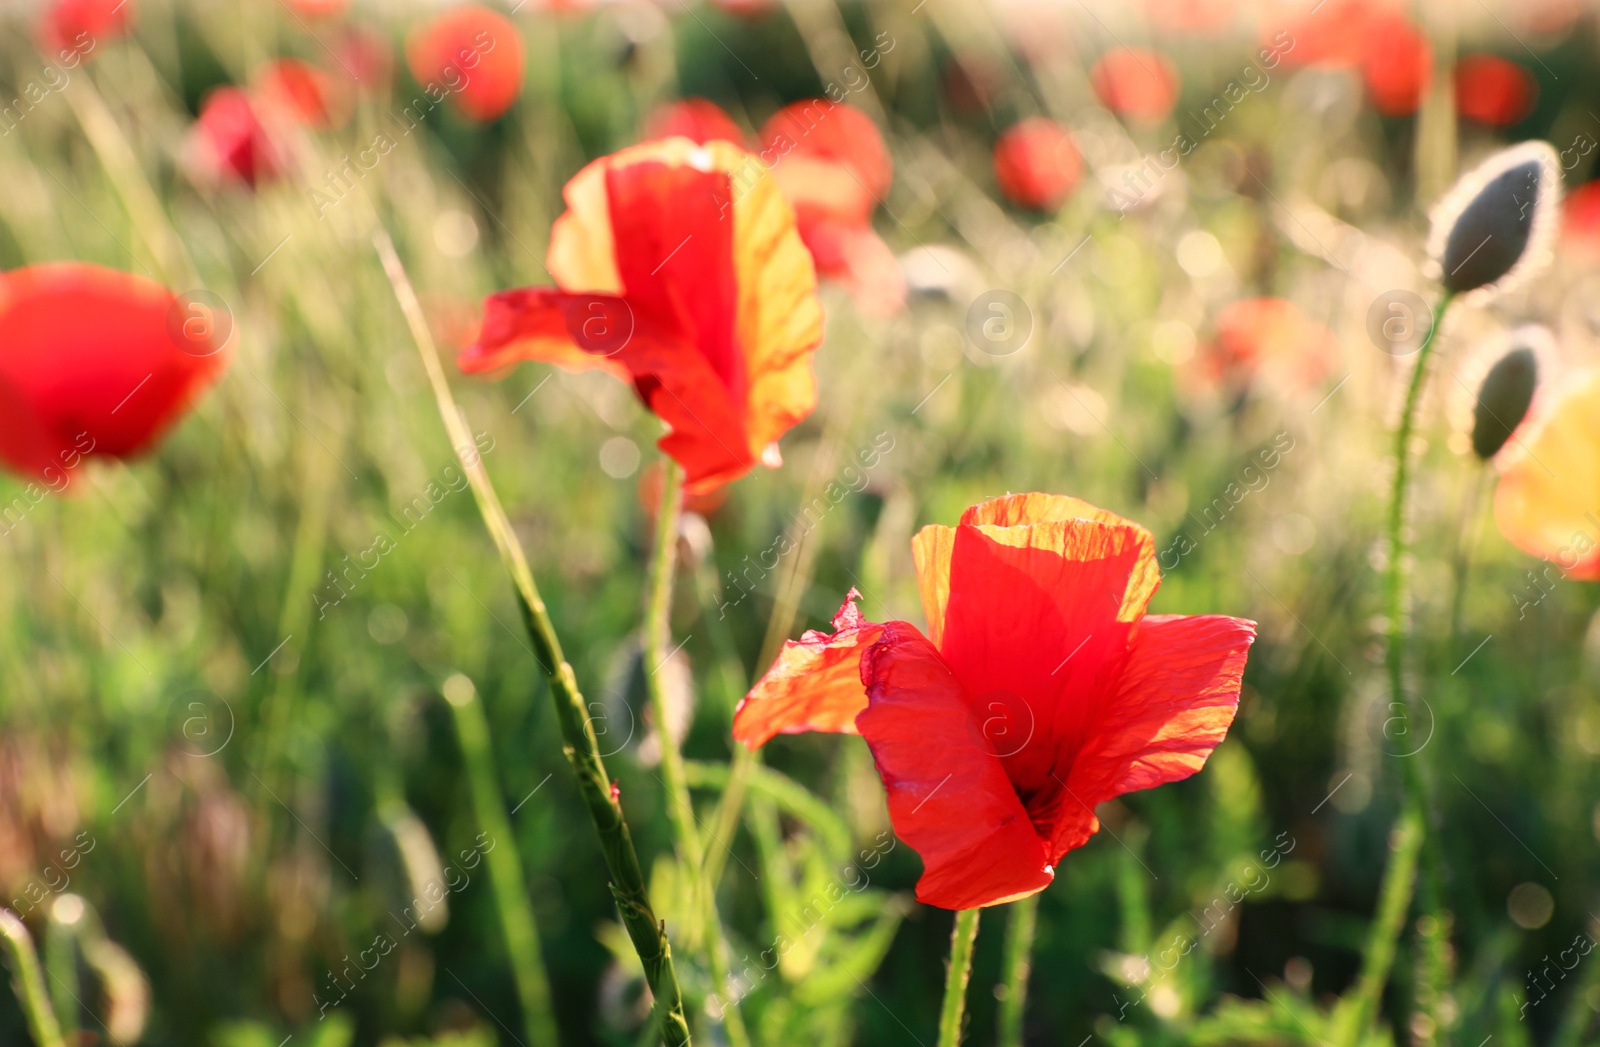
<point>948,797</point>
<point>815,683</point>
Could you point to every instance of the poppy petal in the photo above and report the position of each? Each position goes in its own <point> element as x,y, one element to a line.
<point>815,683</point>
<point>1174,703</point>
<point>541,323</point>
<point>948,797</point>
<point>1545,503</point>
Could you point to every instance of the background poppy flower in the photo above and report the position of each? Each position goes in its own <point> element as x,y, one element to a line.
<point>319,8</point>
<point>303,93</point>
<point>678,268</point>
<point>696,119</point>
<point>473,54</point>
<point>1137,83</point>
<point>366,58</point>
<point>1548,498</point>
<point>1272,337</point>
<point>80,25</point>
<point>1040,689</point>
<point>1493,90</point>
<point>1396,63</point>
<point>1581,220</point>
<point>833,166</point>
<point>93,361</point>
<point>229,141</point>
<point>1036,164</point>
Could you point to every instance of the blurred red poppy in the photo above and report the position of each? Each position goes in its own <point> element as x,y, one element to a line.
<point>80,25</point>
<point>1332,33</point>
<point>1396,63</point>
<point>678,268</point>
<point>365,57</point>
<point>696,119</point>
<point>1493,90</point>
<point>1040,690</point>
<point>303,93</point>
<point>94,362</point>
<point>833,166</point>
<point>471,54</point>
<point>1036,164</point>
<point>1192,15</point>
<point>1581,221</point>
<point>1137,83</point>
<point>229,141</point>
<point>1271,337</point>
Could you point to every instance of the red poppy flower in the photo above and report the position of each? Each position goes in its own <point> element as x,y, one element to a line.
<point>366,59</point>
<point>834,167</point>
<point>230,141</point>
<point>303,93</point>
<point>1333,33</point>
<point>1036,164</point>
<point>81,25</point>
<point>1040,689</point>
<point>94,361</point>
<point>318,8</point>
<point>1397,63</point>
<point>1271,337</point>
<point>1493,90</point>
<point>678,268</point>
<point>1136,83</point>
<point>471,54</point>
<point>696,119</point>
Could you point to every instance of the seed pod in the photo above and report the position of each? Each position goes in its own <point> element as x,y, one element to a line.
<point>1496,225</point>
<point>1503,400</point>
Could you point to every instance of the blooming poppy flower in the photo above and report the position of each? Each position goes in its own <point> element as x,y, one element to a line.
<point>80,25</point>
<point>94,361</point>
<point>1036,164</point>
<point>1040,689</point>
<point>471,53</point>
<point>678,268</point>
<point>833,165</point>
<point>1137,83</point>
<point>696,119</point>
<point>229,141</point>
<point>1547,502</point>
<point>1493,90</point>
<point>1396,63</point>
<point>1272,337</point>
<point>303,93</point>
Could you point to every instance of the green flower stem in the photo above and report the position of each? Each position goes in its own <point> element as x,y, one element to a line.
<point>955,984</point>
<point>1416,802</point>
<point>1018,961</point>
<point>28,982</point>
<point>657,634</point>
<point>505,866</point>
<point>582,749</point>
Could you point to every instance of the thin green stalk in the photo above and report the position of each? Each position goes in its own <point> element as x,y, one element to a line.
<point>582,749</point>
<point>1394,899</point>
<point>27,982</point>
<point>61,961</point>
<point>505,866</point>
<point>955,983</point>
<point>1395,892</point>
<point>1018,962</point>
<point>657,634</point>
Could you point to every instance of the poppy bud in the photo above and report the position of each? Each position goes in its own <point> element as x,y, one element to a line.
<point>1496,224</point>
<point>1503,400</point>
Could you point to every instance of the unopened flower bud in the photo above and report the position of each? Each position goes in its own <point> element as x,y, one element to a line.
<point>1495,226</point>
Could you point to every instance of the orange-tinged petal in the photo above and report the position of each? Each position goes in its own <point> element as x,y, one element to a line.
<point>1173,705</point>
<point>815,683</point>
<point>949,798</point>
<point>1548,500</point>
<point>541,323</point>
<point>930,552</point>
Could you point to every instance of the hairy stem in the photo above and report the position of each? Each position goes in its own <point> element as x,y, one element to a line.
<point>1018,962</point>
<point>580,746</point>
<point>955,984</point>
